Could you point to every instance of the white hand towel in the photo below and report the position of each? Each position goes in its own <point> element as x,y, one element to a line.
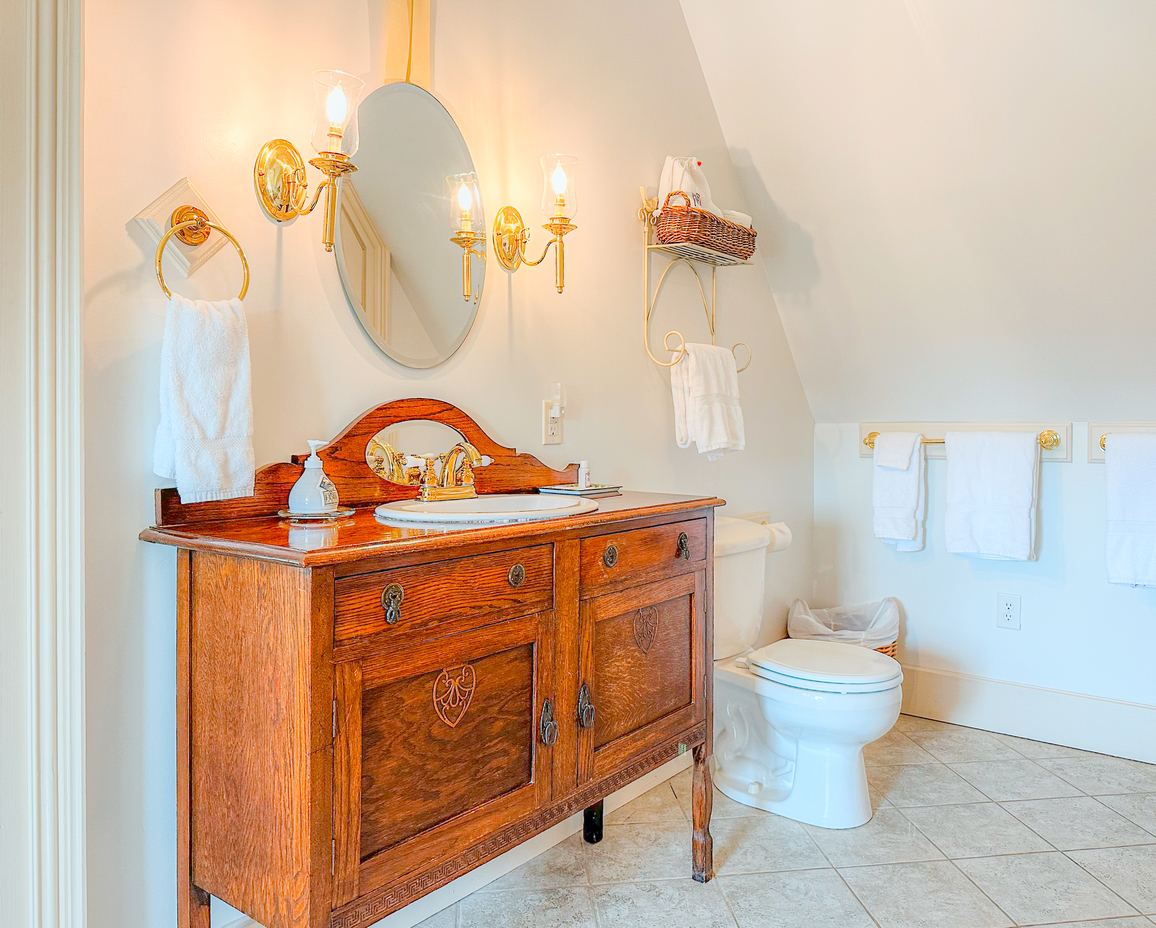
<point>705,387</point>
<point>685,174</point>
<point>897,491</point>
<point>991,494</point>
<point>743,219</point>
<point>1131,544</point>
<point>205,437</point>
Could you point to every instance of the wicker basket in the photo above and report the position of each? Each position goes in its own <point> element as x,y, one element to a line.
<point>688,223</point>
<point>889,650</point>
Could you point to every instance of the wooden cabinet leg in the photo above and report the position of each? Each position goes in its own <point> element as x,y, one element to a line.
<point>702,795</point>
<point>592,823</point>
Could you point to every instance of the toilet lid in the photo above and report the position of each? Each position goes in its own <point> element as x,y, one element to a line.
<point>825,666</point>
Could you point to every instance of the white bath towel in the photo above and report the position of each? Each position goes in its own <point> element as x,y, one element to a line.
<point>205,437</point>
<point>677,175</point>
<point>991,494</point>
<point>705,386</point>
<point>897,490</point>
<point>1131,544</point>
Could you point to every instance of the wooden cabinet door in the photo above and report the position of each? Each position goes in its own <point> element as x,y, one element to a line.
<point>438,744</point>
<point>643,663</point>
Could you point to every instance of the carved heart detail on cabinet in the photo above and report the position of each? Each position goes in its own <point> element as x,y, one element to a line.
<point>645,628</point>
<point>452,691</point>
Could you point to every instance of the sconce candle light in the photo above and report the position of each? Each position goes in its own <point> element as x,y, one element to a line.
<point>467,224</point>
<point>279,174</point>
<point>559,204</point>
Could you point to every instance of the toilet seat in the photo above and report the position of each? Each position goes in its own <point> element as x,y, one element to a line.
<point>825,667</point>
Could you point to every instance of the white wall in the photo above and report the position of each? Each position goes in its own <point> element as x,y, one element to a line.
<point>955,198</point>
<point>1078,633</point>
<point>195,89</point>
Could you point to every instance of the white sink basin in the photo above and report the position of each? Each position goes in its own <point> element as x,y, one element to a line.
<point>499,507</point>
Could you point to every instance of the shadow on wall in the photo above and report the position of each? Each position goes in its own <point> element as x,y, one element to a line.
<point>788,250</point>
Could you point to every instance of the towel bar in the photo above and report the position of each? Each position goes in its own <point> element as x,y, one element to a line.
<point>192,227</point>
<point>1048,439</point>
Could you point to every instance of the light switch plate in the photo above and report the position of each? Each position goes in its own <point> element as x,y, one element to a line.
<point>551,427</point>
<point>152,222</point>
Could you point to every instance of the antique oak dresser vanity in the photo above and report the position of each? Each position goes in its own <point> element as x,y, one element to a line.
<point>367,711</point>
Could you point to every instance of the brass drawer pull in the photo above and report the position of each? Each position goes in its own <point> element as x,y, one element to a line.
<point>516,576</point>
<point>547,727</point>
<point>610,557</point>
<point>683,546</point>
<point>585,708</point>
<point>391,599</point>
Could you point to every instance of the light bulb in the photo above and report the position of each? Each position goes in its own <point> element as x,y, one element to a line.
<point>336,106</point>
<point>465,200</point>
<point>558,179</point>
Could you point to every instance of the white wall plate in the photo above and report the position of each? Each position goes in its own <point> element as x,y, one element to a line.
<point>1096,430</point>
<point>153,221</point>
<point>1062,454</point>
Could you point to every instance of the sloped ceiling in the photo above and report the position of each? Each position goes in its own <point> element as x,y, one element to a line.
<point>956,199</point>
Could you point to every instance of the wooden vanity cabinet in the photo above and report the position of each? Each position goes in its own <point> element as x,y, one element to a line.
<point>364,719</point>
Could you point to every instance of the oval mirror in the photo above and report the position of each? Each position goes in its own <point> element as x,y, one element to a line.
<point>397,454</point>
<point>410,243</point>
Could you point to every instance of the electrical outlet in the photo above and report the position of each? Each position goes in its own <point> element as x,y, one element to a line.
<point>1007,611</point>
<point>551,425</point>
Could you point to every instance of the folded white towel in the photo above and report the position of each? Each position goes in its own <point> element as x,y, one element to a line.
<point>991,494</point>
<point>205,437</point>
<point>897,490</point>
<point>1131,544</point>
<point>705,386</point>
<point>677,174</point>
<point>735,216</point>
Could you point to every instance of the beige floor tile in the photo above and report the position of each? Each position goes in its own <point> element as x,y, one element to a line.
<point>1099,775</point>
<point>1036,889</point>
<point>908,723</point>
<point>563,865</point>
<point>1136,807</point>
<point>665,903</point>
<point>655,805</point>
<point>1129,871</point>
<point>446,918</point>
<point>979,829</point>
<point>1134,921</point>
<point>922,785</point>
<point>555,908</point>
<point>798,899</point>
<point>1039,749</point>
<point>895,748</point>
<point>721,806</point>
<point>963,745</point>
<point>763,844</point>
<point>654,851</point>
<point>1079,822</point>
<point>888,838</point>
<point>1009,780</point>
<point>923,895</point>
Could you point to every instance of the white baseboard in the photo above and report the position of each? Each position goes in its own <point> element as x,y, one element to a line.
<point>439,899</point>
<point>1091,723</point>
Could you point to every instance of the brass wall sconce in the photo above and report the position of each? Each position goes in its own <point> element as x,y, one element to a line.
<point>279,174</point>
<point>467,225</point>
<point>559,204</point>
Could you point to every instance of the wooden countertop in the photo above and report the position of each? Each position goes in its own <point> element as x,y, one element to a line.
<point>362,535</point>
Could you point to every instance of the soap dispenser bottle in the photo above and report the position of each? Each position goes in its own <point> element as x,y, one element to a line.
<point>314,492</point>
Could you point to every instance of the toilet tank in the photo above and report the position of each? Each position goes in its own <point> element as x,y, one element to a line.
<point>740,560</point>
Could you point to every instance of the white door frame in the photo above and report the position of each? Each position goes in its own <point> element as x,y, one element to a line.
<point>42,726</point>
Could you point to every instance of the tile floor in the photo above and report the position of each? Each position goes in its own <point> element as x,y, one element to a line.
<point>971,830</point>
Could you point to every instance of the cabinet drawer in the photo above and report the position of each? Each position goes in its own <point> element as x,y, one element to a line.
<point>409,598</point>
<point>645,553</point>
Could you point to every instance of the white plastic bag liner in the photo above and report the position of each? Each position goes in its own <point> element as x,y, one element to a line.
<point>871,625</point>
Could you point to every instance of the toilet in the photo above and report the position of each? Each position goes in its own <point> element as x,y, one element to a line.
<point>790,719</point>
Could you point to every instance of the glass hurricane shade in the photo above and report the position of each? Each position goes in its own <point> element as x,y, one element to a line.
<point>559,186</point>
<point>335,95</point>
<point>465,203</point>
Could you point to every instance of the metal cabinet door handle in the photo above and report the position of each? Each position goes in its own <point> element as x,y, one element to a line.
<point>585,708</point>
<point>547,727</point>
<point>391,598</point>
<point>610,556</point>
<point>683,546</point>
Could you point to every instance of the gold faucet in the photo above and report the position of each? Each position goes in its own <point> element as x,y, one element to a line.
<point>456,477</point>
<point>386,463</point>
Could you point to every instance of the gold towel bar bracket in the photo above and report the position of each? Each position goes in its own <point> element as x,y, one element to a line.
<point>1049,440</point>
<point>192,227</point>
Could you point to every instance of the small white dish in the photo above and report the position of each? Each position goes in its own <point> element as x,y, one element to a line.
<point>315,516</point>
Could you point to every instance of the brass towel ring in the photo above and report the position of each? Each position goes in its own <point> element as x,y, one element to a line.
<point>192,227</point>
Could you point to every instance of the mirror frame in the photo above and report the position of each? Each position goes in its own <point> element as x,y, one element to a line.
<point>347,288</point>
